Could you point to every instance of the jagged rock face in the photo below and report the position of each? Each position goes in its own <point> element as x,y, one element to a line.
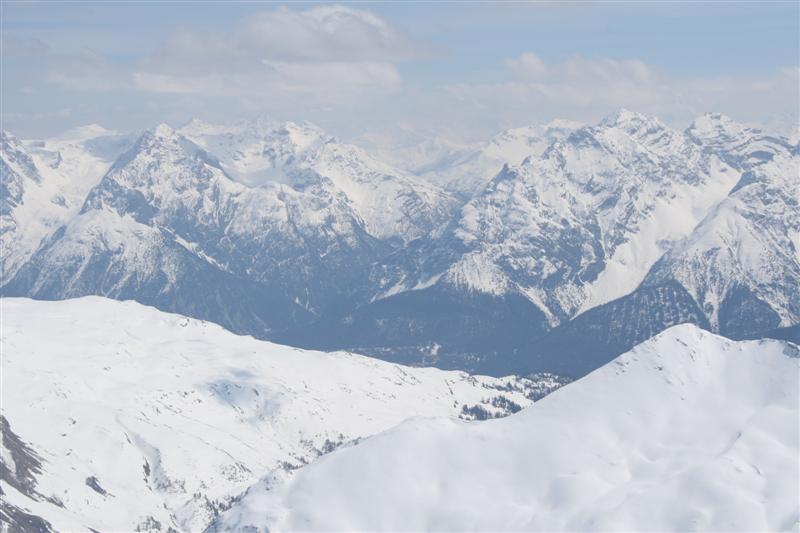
<point>100,252</point>
<point>16,168</point>
<point>19,467</point>
<point>582,224</point>
<point>45,183</point>
<point>736,273</point>
<point>742,264</point>
<point>392,203</point>
<point>742,146</point>
<point>166,221</point>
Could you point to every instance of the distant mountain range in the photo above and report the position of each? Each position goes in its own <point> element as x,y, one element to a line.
<point>549,249</point>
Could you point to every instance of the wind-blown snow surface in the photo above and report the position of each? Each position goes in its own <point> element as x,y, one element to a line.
<point>688,431</point>
<point>122,416</point>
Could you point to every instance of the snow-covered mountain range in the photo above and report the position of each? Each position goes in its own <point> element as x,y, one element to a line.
<point>548,248</point>
<point>741,263</point>
<point>125,418</point>
<point>469,172</point>
<point>391,203</point>
<point>559,256</point>
<point>581,224</point>
<point>44,184</point>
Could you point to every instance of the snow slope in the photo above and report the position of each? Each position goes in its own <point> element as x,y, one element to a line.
<point>122,416</point>
<point>687,432</point>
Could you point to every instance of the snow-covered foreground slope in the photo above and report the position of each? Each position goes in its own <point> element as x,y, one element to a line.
<point>123,417</point>
<point>687,432</point>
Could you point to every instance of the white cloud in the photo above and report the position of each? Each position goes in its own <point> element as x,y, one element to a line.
<point>327,81</point>
<point>340,66</point>
<point>528,65</point>
<point>86,71</point>
<point>324,54</point>
<point>325,33</point>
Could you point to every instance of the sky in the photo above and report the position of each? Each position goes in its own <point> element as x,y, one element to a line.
<point>393,72</point>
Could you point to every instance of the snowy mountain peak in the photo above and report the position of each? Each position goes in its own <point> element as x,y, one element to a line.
<point>630,121</point>
<point>468,174</point>
<point>305,134</point>
<point>162,168</point>
<point>17,168</point>
<point>258,151</point>
<point>713,124</point>
<point>716,129</point>
<point>86,132</point>
<point>638,134</point>
<point>392,203</point>
<point>163,131</point>
<point>741,263</point>
<point>8,137</point>
<point>165,143</point>
<point>741,145</point>
<point>563,124</point>
<point>582,224</point>
<point>44,183</point>
<point>16,158</point>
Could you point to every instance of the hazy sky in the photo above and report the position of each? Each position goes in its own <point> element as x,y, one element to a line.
<point>450,69</point>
